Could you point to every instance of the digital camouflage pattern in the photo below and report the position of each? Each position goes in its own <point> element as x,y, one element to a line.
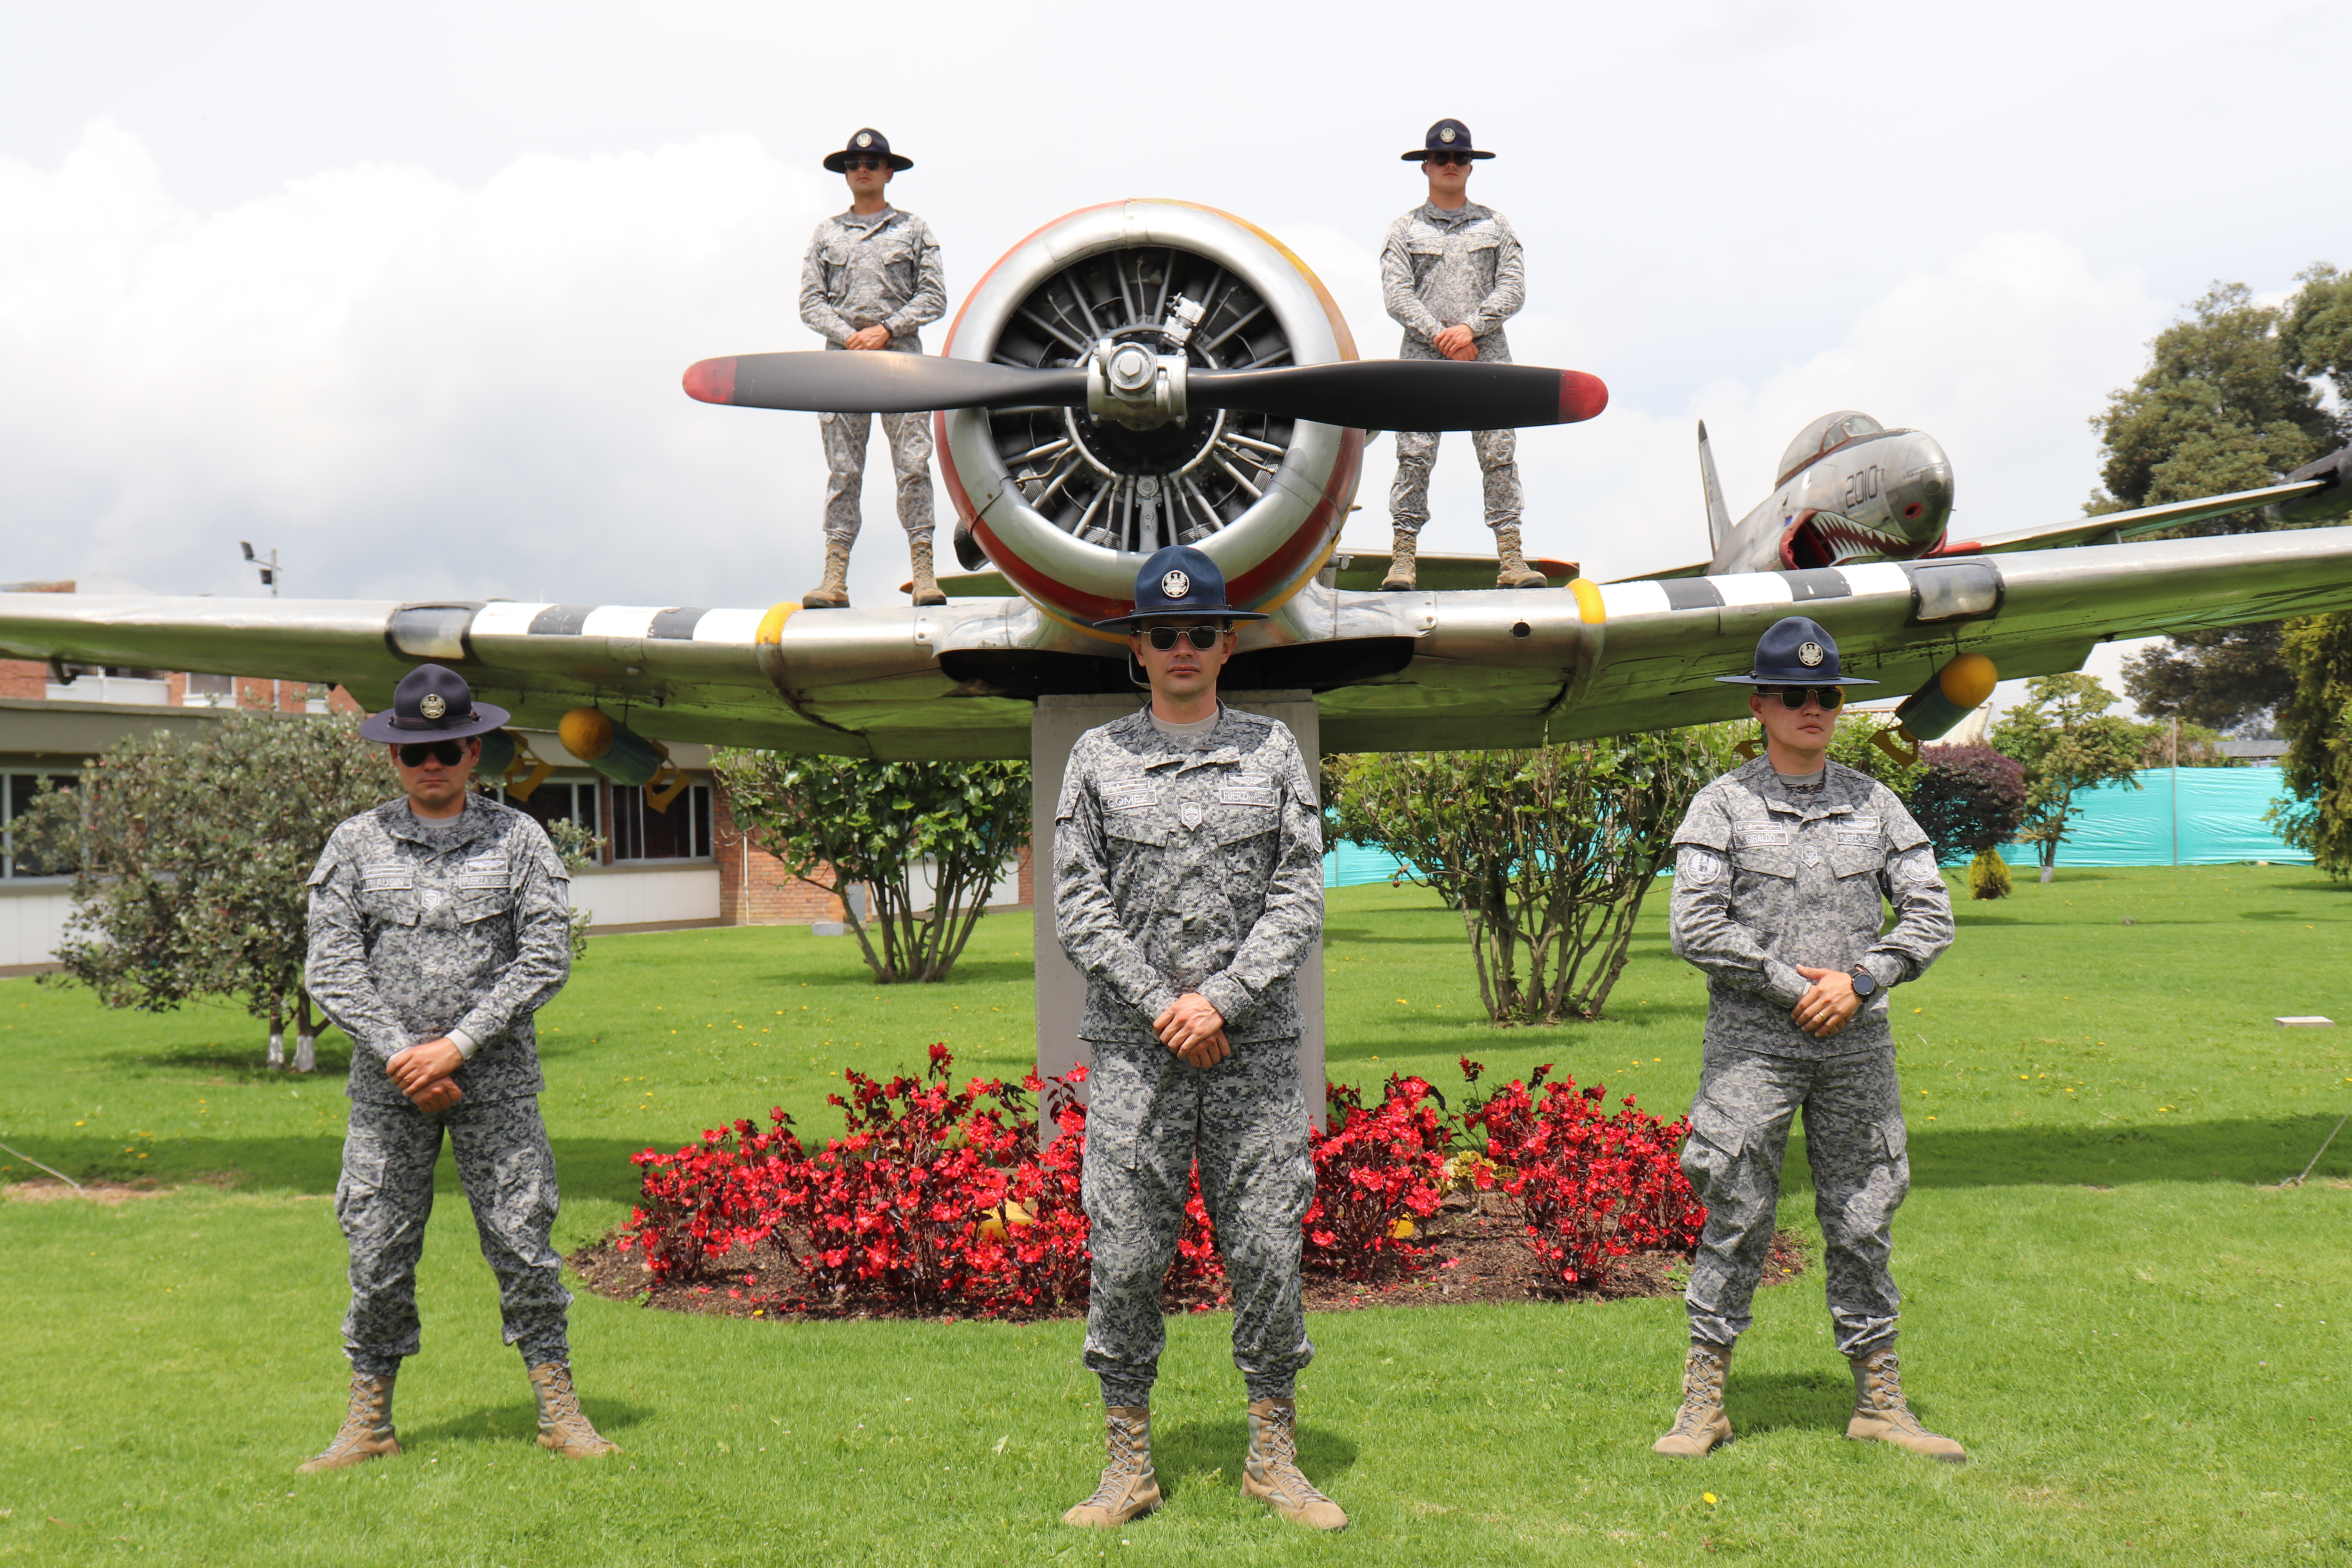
<point>386,1196</point>
<point>1148,1116</point>
<point>1768,878</point>
<point>1191,863</point>
<point>1854,1142</point>
<point>877,271</point>
<point>845,435</point>
<point>1440,269</point>
<point>1188,865</point>
<point>422,928</point>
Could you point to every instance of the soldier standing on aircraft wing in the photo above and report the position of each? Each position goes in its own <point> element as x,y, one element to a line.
<point>871,279</point>
<point>1780,870</point>
<point>439,924</point>
<point>1451,274</point>
<point>1188,889</point>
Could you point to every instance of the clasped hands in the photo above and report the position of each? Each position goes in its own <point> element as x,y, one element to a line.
<point>869,338</point>
<point>1829,1006</point>
<point>422,1073</point>
<point>1194,1030</point>
<point>1457,344</point>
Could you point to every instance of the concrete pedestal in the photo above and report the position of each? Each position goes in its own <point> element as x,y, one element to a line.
<point>1061,990</point>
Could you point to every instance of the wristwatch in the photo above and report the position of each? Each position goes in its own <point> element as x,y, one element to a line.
<point>1866,983</point>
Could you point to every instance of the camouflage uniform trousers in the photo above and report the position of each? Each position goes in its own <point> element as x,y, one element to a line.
<point>1416,454</point>
<point>1855,1142</point>
<point>386,1194</point>
<point>1148,1116</point>
<point>909,435</point>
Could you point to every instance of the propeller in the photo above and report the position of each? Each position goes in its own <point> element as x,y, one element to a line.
<point>1368,394</point>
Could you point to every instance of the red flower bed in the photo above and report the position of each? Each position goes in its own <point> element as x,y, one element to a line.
<point>937,1200</point>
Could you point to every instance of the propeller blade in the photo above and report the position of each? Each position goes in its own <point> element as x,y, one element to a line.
<point>876,382</point>
<point>1406,393</point>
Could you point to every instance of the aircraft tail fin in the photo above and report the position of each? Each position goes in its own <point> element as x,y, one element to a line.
<point>1719,516</point>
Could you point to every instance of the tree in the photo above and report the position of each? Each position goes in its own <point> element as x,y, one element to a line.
<point>1968,800</point>
<point>891,826</point>
<point>2227,403</point>
<point>2317,819</point>
<point>192,857</point>
<point>1548,853</point>
<point>2067,741</point>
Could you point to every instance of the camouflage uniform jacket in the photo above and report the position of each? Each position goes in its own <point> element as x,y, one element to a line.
<point>1188,866</point>
<point>416,935</point>
<point>1766,878</point>
<point>878,271</point>
<point>1440,269</point>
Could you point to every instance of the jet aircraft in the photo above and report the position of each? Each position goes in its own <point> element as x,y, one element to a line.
<point>1147,372</point>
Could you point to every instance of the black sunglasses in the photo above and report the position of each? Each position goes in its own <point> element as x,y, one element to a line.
<point>1460,158</point>
<point>448,753</point>
<point>864,163</point>
<point>1202,637</point>
<point>1830,699</point>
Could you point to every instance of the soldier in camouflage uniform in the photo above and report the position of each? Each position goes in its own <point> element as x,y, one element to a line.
<point>439,923</point>
<point>1783,872</point>
<point>871,279</point>
<point>1452,274</point>
<point>1188,889</point>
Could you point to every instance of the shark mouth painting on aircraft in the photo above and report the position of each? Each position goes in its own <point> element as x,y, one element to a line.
<point>1824,538</point>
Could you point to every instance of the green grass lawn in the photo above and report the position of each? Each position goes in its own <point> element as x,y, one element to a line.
<point>2143,1347</point>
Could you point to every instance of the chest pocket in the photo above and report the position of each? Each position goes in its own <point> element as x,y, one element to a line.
<point>1766,848</point>
<point>1135,826</point>
<point>1857,846</point>
<point>388,892</point>
<point>484,887</point>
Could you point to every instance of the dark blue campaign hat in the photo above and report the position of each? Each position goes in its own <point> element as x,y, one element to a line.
<point>1445,136</point>
<point>1796,651</point>
<point>432,702</point>
<point>867,142</point>
<point>1178,581</point>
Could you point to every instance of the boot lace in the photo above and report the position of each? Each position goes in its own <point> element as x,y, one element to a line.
<point>1125,1464</point>
<point>1275,1457</point>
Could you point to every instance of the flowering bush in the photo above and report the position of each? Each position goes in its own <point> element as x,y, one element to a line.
<point>938,1200</point>
<point>1589,1185</point>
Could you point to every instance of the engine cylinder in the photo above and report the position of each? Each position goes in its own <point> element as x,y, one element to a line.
<point>1067,503</point>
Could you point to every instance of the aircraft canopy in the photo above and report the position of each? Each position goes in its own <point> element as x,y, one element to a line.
<point>1829,430</point>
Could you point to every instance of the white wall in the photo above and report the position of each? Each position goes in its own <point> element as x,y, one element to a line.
<point>645,895</point>
<point>32,918</point>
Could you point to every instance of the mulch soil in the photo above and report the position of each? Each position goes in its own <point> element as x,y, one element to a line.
<point>1477,1253</point>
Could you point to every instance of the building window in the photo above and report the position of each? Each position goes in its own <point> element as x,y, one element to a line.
<point>558,800</point>
<point>210,691</point>
<point>17,793</point>
<point>110,683</point>
<point>681,833</point>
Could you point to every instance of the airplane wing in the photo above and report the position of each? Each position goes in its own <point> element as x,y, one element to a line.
<point>1428,669</point>
<point>2113,527</point>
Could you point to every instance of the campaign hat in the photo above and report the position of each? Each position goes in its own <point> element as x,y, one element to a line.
<point>1178,581</point>
<point>1796,651</point>
<point>866,142</point>
<point>432,702</point>
<point>1446,136</point>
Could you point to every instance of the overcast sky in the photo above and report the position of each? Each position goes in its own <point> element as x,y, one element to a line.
<point>405,292</point>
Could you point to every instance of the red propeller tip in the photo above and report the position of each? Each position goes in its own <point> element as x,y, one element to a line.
<point>713,381</point>
<point>1580,395</point>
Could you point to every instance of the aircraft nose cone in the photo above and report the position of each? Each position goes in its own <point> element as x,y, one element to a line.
<point>1921,503</point>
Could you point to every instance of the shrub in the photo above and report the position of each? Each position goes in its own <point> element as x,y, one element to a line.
<point>1969,799</point>
<point>1989,876</point>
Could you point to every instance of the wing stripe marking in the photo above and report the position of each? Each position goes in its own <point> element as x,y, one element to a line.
<point>1818,582</point>
<point>675,624</point>
<point>618,621</point>
<point>1743,588</point>
<point>561,620</point>
<point>1643,598</point>
<point>1693,593</point>
<point>730,625</point>
<point>504,618</point>
<point>1876,577</point>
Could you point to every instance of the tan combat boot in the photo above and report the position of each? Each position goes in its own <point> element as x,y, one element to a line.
<point>1270,1471</point>
<point>1402,564</point>
<point>1513,571</point>
<point>833,593</point>
<point>926,587</point>
<point>1880,1415</point>
<point>367,1429</point>
<point>1700,1423</point>
<point>563,1425</point>
<point>1129,1489</point>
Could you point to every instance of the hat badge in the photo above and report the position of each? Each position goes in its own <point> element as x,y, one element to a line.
<point>1447,134</point>
<point>865,139</point>
<point>432,705</point>
<point>1810,654</point>
<point>1175,586</point>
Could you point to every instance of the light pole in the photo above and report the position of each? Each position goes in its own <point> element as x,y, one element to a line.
<point>268,565</point>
